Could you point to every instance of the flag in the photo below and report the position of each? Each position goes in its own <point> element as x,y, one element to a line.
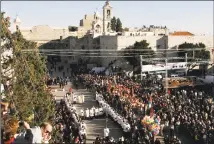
<point>132,91</point>
<point>150,99</point>
<point>169,92</point>
<point>151,112</point>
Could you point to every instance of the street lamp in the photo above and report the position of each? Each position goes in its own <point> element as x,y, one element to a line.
<point>166,76</point>
<point>186,64</point>
<point>106,119</point>
<point>141,59</point>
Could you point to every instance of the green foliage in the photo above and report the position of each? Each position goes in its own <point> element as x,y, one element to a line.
<point>199,54</point>
<point>139,48</point>
<point>28,89</point>
<point>119,27</point>
<point>113,23</point>
<point>116,25</point>
<point>126,29</point>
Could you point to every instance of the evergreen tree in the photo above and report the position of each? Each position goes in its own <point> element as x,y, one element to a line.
<point>113,24</point>
<point>119,25</point>
<point>135,51</point>
<point>27,89</point>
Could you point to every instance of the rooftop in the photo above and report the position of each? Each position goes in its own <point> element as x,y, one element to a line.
<point>182,33</point>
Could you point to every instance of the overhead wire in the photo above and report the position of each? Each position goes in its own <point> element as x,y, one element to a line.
<point>113,50</point>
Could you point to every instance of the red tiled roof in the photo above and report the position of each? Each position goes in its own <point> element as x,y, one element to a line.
<point>182,33</point>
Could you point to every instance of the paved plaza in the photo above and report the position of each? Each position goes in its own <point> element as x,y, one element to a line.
<point>95,127</point>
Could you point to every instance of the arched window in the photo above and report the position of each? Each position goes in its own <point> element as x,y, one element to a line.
<point>108,13</point>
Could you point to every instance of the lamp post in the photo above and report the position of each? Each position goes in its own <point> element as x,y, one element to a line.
<point>106,120</point>
<point>141,59</point>
<point>166,76</point>
<point>186,64</point>
<point>213,71</point>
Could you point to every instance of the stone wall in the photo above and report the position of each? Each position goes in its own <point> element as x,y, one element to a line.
<point>44,33</point>
<point>156,42</point>
<point>174,41</point>
<point>126,41</point>
<point>107,42</point>
<point>177,40</point>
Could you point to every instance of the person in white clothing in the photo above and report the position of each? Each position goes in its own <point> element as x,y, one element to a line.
<point>74,99</point>
<point>106,132</point>
<point>83,98</point>
<point>122,139</point>
<point>93,108</point>
<point>101,112</point>
<point>82,134</point>
<point>96,96</point>
<point>74,108</point>
<point>96,112</point>
<point>82,113</point>
<point>87,113</point>
<point>91,113</point>
<point>79,99</point>
<point>127,127</point>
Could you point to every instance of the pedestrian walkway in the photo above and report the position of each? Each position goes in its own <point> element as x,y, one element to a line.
<point>96,127</point>
<point>58,92</point>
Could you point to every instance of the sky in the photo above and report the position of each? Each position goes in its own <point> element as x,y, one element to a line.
<point>192,16</point>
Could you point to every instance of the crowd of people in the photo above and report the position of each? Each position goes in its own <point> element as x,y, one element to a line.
<point>186,109</point>
<point>69,127</point>
<point>16,131</point>
<point>94,112</point>
<point>183,112</point>
<point>61,81</point>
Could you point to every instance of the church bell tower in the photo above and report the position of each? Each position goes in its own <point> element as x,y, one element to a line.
<point>17,22</point>
<point>107,15</point>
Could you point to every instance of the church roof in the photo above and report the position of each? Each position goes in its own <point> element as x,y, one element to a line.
<point>17,20</point>
<point>97,13</point>
<point>182,33</point>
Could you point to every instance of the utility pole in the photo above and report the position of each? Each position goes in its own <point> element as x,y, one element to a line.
<point>141,77</point>
<point>193,54</point>
<point>106,119</point>
<point>166,77</point>
<point>213,71</point>
<point>186,64</point>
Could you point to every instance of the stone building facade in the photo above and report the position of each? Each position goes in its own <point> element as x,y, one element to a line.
<point>156,42</point>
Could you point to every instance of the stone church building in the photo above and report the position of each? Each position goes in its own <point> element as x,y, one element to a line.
<point>94,24</point>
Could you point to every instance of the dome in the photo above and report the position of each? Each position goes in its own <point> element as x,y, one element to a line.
<point>17,20</point>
